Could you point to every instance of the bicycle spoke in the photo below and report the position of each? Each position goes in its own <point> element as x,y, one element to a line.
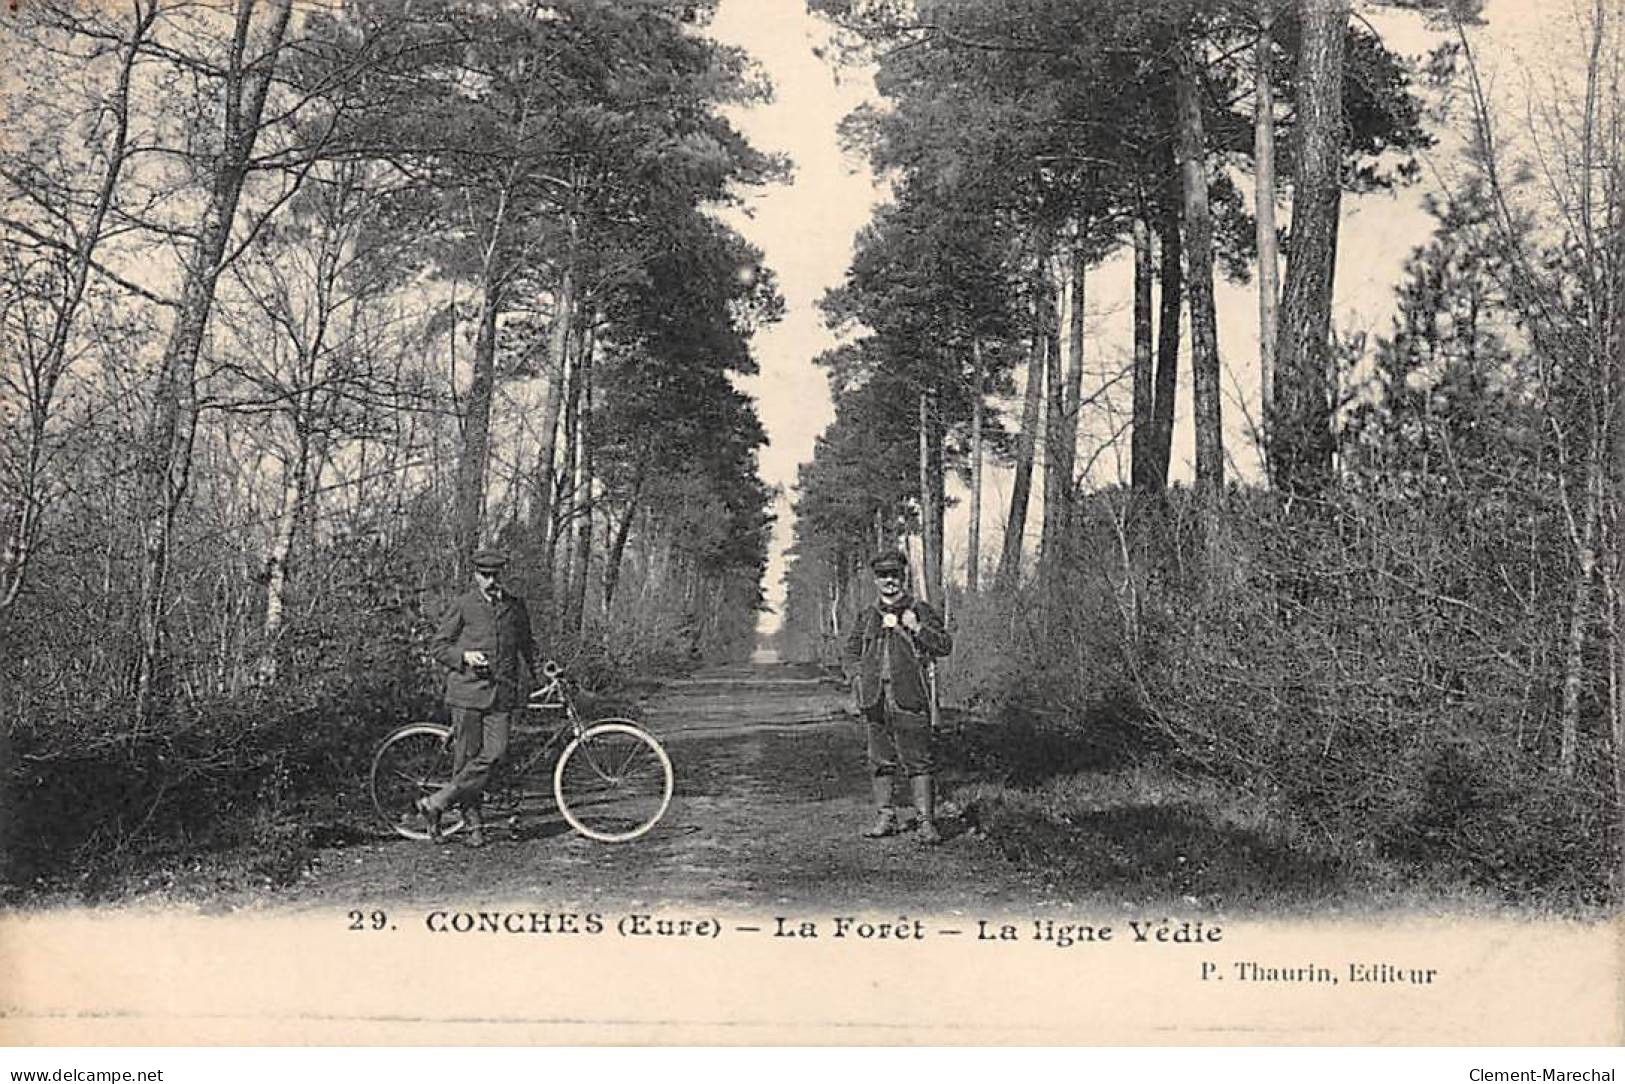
<point>613,782</point>
<point>631,755</point>
<point>411,763</point>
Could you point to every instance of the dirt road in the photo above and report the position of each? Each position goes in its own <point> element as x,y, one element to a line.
<point>771,792</point>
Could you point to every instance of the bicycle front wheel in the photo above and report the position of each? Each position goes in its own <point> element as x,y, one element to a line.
<point>412,763</point>
<point>613,782</point>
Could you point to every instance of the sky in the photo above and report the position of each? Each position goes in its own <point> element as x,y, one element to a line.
<point>805,230</point>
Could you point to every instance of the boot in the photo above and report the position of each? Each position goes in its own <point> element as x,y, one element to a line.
<point>431,819</point>
<point>476,826</point>
<point>885,816</point>
<point>925,802</point>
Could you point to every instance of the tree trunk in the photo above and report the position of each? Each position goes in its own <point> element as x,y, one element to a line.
<point>167,451</point>
<point>1142,471</point>
<point>973,544</point>
<point>1613,359</point>
<point>1172,287</point>
<point>931,499</point>
<point>279,570</point>
<point>829,620</point>
<point>1300,426</point>
<point>617,546</point>
<point>476,444</point>
<point>558,345</point>
<point>1057,457</point>
<point>1074,384</point>
<point>1269,287</point>
<point>1026,443</point>
<point>576,604</point>
<point>935,469</point>
<point>1199,294</point>
<point>28,508</point>
<point>564,489</point>
<point>923,427</point>
<point>1585,571</point>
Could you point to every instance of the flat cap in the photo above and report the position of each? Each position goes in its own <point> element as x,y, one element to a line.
<point>490,560</point>
<point>889,561</point>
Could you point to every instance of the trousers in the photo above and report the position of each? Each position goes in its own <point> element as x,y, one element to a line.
<point>899,741</point>
<point>479,739</point>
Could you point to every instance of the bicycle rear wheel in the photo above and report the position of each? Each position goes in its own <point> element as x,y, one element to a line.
<point>412,763</point>
<point>613,782</point>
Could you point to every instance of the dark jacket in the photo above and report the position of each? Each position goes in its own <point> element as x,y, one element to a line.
<point>502,631</point>
<point>870,643</point>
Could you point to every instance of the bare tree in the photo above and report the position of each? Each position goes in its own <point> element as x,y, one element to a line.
<point>302,348</point>
<point>246,73</point>
<point>1567,285</point>
<point>51,244</point>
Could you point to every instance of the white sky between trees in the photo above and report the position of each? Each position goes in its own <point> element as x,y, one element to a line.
<point>805,230</point>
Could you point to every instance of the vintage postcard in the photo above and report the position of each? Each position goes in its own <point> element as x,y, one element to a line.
<point>834,522</point>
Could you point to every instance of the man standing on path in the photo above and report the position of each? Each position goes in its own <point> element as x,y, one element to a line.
<point>889,650</point>
<point>482,640</point>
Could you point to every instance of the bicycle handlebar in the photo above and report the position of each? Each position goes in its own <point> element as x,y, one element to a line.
<point>553,693</point>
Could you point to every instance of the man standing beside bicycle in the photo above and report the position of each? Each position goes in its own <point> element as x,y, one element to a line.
<point>888,651</point>
<point>483,639</point>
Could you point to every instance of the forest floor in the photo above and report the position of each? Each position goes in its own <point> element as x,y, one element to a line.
<point>771,795</point>
<point>772,792</point>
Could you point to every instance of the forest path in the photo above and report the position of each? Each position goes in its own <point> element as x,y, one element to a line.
<point>771,791</point>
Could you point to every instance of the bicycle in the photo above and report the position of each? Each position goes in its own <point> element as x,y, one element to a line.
<point>612,780</point>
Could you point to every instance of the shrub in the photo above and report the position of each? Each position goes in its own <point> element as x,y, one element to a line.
<point>1385,673</point>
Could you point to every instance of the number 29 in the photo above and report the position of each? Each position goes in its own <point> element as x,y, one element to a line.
<point>368,920</point>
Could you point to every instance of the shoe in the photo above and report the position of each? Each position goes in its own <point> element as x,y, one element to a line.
<point>431,820</point>
<point>885,824</point>
<point>925,802</point>
<point>476,827</point>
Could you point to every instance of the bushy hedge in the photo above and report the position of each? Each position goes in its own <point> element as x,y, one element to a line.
<point>1385,674</point>
<point>254,765</point>
<point>96,799</point>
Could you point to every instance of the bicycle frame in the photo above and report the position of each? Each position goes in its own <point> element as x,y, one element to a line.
<point>550,697</point>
